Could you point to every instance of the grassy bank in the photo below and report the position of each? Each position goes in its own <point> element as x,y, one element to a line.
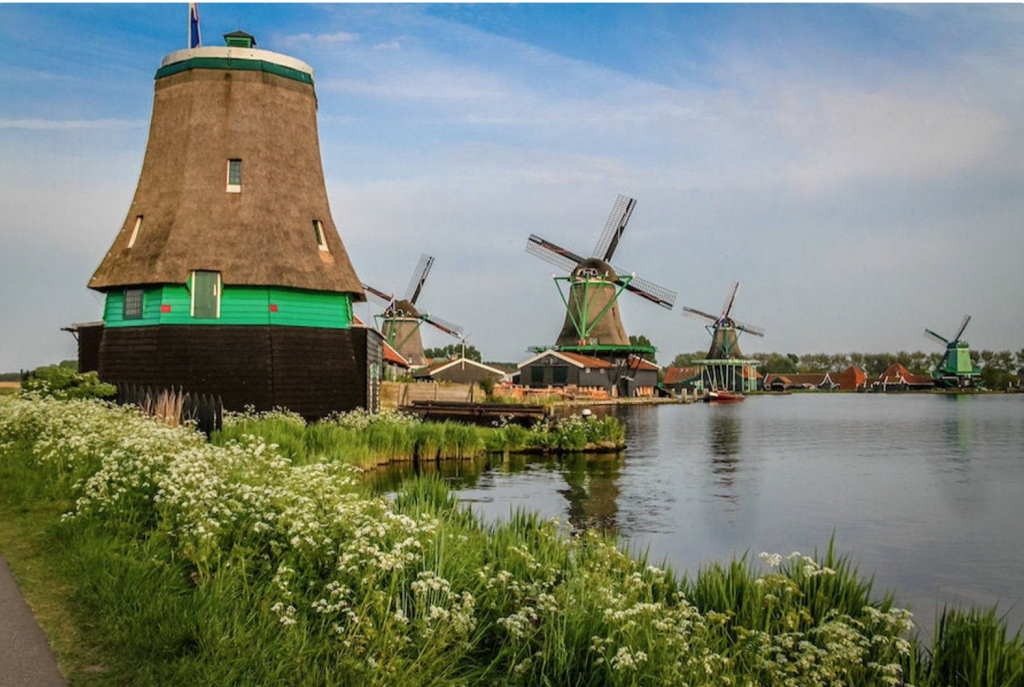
<point>365,440</point>
<point>181,562</point>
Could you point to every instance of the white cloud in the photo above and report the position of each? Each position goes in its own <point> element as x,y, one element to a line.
<point>849,136</point>
<point>335,38</point>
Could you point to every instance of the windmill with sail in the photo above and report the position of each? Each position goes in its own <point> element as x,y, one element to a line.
<point>724,366</point>
<point>956,369</point>
<point>401,320</point>
<point>591,288</point>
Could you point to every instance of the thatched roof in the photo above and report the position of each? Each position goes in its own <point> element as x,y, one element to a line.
<point>206,113</point>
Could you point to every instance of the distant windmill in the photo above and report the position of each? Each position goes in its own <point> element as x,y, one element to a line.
<point>956,368</point>
<point>400,321</point>
<point>592,317</point>
<point>724,356</point>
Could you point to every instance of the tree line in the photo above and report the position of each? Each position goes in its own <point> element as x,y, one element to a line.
<point>999,369</point>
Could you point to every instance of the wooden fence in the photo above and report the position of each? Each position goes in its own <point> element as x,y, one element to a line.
<point>403,394</point>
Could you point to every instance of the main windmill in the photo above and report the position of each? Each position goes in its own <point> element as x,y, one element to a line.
<point>228,276</point>
<point>401,320</point>
<point>592,288</point>
<point>956,368</point>
<point>724,366</point>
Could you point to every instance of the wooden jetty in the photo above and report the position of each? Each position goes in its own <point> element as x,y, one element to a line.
<point>478,413</point>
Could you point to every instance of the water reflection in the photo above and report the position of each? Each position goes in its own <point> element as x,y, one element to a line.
<point>592,492</point>
<point>724,439</point>
<point>590,481</point>
<point>959,426</point>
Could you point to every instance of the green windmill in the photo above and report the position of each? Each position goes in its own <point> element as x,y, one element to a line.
<point>592,288</point>
<point>956,369</point>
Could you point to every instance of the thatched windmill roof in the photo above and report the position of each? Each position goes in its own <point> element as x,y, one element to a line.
<point>212,105</point>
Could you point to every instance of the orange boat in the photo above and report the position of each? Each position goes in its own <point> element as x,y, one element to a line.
<point>723,396</point>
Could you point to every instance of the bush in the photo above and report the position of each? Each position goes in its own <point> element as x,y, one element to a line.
<point>64,383</point>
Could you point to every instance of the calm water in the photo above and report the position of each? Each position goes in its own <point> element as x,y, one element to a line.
<point>925,492</point>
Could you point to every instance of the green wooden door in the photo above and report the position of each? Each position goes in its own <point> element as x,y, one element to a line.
<point>206,295</point>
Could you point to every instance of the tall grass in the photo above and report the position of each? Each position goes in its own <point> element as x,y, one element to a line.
<point>236,564</point>
<point>365,440</point>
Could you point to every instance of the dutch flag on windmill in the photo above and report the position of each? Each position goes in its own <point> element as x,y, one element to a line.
<point>195,39</point>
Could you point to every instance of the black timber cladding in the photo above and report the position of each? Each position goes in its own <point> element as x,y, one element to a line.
<point>311,371</point>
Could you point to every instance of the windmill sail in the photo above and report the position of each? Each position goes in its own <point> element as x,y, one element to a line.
<point>419,276</point>
<point>614,227</point>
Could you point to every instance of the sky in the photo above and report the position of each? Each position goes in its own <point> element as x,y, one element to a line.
<point>859,169</point>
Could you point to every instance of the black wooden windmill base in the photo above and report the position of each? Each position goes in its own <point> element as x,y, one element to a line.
<point>309,370</point>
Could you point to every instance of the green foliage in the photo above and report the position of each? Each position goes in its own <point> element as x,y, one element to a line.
<point>642,341</point>
<point>453,351</point>
<point>568,435</point>
<point>688,359</point>
<point>64,382</point>
<point>971,648</point>
<point>776,363</point>
<point>487,385</point>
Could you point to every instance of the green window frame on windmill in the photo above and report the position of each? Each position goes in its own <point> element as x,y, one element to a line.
<point>234,176</point>
<point>132,305</point>
<point>206,293</point>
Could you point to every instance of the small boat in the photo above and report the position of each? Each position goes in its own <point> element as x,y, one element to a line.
<point>723,396</point>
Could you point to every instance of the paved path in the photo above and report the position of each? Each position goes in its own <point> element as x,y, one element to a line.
<point>25,656</point>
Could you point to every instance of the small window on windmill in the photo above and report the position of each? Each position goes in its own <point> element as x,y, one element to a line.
<point>318,230</point>
<point>135,231</point>
<point>132,304</point>
<point>234,176</point>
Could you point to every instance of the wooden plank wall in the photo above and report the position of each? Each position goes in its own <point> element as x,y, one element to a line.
<point>309,370</point>
<point>403,394</point>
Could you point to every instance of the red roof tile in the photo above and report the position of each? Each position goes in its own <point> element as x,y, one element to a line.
<point>676,375</point>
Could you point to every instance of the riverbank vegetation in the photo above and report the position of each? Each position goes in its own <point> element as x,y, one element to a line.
<point>999,369</point>
<point>366,440</point>
<point>177,561</point>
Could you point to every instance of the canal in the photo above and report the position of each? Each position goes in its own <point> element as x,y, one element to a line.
<point>923,491</point>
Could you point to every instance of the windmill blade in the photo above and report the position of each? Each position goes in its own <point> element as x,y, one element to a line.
<point>698,314</point>
<point>941,339</point>
<point>747,328</point>
<point>446,327</point>
<point>614,227</point>
<point>419,276</point>
<point>556,255</point>
<point>967,318</point>
<point>378,295</point>
<point>659,295</point>
<point>727,308</point>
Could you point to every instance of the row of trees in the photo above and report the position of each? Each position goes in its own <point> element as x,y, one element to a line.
<point>999,369</point>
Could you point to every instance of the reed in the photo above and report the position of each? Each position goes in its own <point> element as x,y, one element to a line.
<point>366,440</point>
<point>970,648</point>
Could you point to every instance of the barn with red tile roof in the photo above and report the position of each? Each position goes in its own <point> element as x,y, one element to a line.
<point>898,378</point>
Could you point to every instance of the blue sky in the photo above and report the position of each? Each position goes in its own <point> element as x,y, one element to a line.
<point>859,169</point>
